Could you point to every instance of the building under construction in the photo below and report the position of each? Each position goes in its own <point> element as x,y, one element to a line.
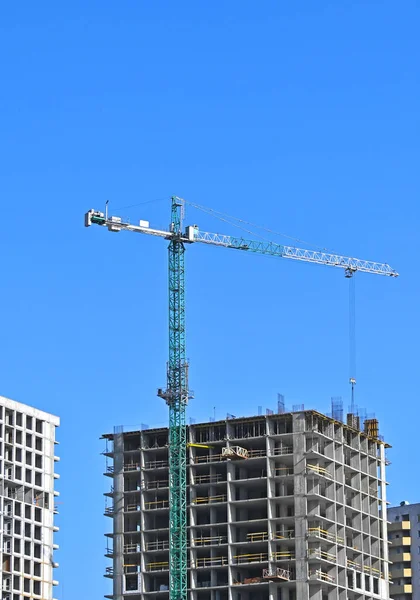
<point>285,506</point>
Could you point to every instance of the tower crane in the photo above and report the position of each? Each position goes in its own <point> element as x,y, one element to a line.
<point>177,392</point>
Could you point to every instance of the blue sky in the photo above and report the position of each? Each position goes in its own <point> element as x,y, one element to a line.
<point>300,116</point>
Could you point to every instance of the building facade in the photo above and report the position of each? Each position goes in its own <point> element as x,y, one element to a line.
<point>281,507</point>
<point>27,501</point>
<point>404,551</point>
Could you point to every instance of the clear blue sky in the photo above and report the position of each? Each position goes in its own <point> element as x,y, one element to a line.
<point>301,116</point>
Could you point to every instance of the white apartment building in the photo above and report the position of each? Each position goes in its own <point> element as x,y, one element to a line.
<point>27,501</point>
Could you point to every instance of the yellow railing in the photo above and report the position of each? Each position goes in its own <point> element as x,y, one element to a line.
<point>289,533</point>
<point>210,541</point>
<point>318,470</point>
<point>157,545</point>
<point>216,561</point>
<point>325,535</point>
<point>250,558</point>
<point>260,536</point>
<point>209,499</point>
<point>317,553</point>
<point>318,574</point>
<point>131,568</point>
<point>207,478</point>
<point>285,555</point>
<point>157,566</point>
<point>156,504</point>
<point>353,565</point>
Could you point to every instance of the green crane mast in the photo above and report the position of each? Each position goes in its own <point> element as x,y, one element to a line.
<point>177,392</point>
<point>176,396</point>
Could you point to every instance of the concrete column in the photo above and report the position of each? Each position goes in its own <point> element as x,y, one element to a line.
<point>299,463</point>
<point>118,579</point>
<point>385,548</point>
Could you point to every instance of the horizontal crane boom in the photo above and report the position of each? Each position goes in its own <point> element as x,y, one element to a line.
<point>193,234</point>
<point>313,256</point>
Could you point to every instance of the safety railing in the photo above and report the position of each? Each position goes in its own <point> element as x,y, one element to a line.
<point>131,467</point>
<point>283,471</point>
<point>132,548</point>
<point>257,453</point>
<point>158,566</point>
<point>320,554</point>
<point>156,504</point>
<point>242,559</point>
<point>259,536</point>
<point>131,569</point>
<point>156,464</point>
<point>321,576</point>
<point>216,540</point>
<point>369,569</point>
<point>207,479</point>
<point>207,458</point>
<point>155,484</point>
<point>207,561</point>
<point>209,499</point>
<point>131,508</point>
<point>285,535</point>
<point>353,565</point>
<point>282,450</point>
<point>325,535</point>
<point>157,545</point>
<point>317,470</point>
<point>283,555</point>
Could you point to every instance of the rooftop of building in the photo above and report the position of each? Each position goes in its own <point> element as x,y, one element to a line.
<point>372,435</point>
<point>405,506</point>
<point>29,410</point>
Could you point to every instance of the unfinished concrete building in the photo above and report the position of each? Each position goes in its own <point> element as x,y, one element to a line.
<point>281,507</point>
<point>27,501</point>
